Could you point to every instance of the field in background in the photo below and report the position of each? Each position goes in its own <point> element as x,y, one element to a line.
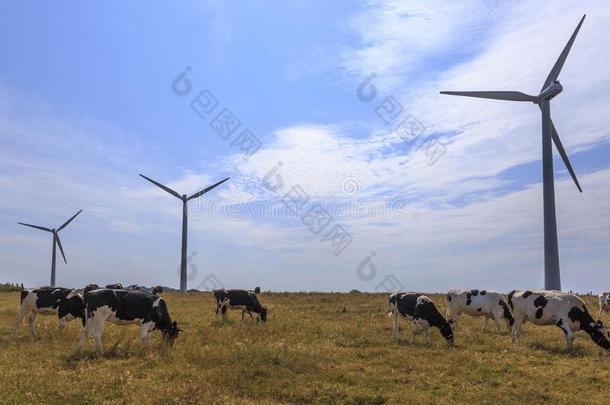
<point>323,348</point>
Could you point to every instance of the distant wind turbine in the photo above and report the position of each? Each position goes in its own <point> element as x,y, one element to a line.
<point>56,242</point>
<point>550,89</point>
<point>184,199</point>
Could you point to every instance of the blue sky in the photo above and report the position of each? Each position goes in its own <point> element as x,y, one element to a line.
<point>86,103</point>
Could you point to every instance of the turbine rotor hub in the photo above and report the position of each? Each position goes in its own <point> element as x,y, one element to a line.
<point>551,91</point>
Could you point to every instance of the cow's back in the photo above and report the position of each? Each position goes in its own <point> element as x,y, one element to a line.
<point>543,307</point>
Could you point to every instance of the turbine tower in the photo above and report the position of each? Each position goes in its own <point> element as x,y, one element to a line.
<point>550,89</point>
<point>56,242</point>
<point>184,199</point>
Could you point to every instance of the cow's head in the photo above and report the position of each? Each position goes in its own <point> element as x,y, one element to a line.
<point>263,314</point>
<point>163,321</point>
<point>171,333</point>
<point>447,332</point>
<point>599,334</point>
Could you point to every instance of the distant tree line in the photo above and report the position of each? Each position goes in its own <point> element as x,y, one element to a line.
<point>6,287</point>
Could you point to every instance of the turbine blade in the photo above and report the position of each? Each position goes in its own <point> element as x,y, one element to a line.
<point>37,227</point>
<point>61,249</point>
<point>169,190</point>
<point>496,95</point>
<point>564,155</point>
<point>205,190</point>
<point>554,73</point>
<point>68,221</point>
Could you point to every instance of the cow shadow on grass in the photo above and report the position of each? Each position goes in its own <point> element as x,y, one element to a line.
<point>577,351</point>
<point>221,323</point>
<point>406,343</point>
<point>116,351</point>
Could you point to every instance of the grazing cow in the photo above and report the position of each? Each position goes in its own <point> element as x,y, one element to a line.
<point>239,299</point>
<point>115,286</point>
<point>604,302</point>
<point>489,304</point>
<point>422,311</point>
<point>124,307</point>
<point>565,310</point>
<point>66,303</point>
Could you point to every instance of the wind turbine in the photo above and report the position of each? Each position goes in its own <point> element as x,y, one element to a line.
<point>56,242</point>
<point>550,89</point>
<point>184,199</point>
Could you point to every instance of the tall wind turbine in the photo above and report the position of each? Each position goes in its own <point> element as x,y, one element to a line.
<point>56,242</point>
<point>184,199</point>
<point>550,89</point>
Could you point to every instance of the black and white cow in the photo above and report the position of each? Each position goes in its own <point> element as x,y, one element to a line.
<point>604,302</point>
<point>489,304</point>
<point>66,303</point>
<point>115,286</point>
<point>125,307</point>
<point>239,299</point>
<point>565,310</point>
<point>422,311</point>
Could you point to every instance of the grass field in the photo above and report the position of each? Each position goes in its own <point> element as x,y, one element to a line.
<point>315,348</point>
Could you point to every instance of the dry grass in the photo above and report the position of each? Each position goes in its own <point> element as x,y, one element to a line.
<point>320,348</point>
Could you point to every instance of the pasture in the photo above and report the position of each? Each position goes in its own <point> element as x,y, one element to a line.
<point>315,348</point>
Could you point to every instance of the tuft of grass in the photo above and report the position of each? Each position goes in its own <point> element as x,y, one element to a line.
<point>314,348</point>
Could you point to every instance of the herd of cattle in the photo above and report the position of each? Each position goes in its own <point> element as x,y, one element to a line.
<point>543,307</point>
<point>95,306</point>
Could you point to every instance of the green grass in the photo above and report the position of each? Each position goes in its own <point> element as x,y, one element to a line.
<point>320,348</point>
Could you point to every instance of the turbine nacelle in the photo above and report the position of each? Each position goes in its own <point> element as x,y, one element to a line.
<point>550,91</point>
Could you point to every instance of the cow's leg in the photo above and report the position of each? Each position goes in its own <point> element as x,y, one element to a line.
<point>62,323</point>
<point>456,319</point>
<point>485,323</point>
<point>451,318</point>
<point>414,332</point>
<point>497,319</point>
<point>145,333</point>
<point>427,334</point>
<point>569,338</point>
<point>242,314</point>
<point>98,330</point>
<point>83,338</point>
<point>32,322</point>
<point>395,326</point>
<point>23,310</point>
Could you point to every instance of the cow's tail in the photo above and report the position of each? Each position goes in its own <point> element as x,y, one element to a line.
<point>24,293</point>
<point>507,314</point>
<point>510,299</point>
